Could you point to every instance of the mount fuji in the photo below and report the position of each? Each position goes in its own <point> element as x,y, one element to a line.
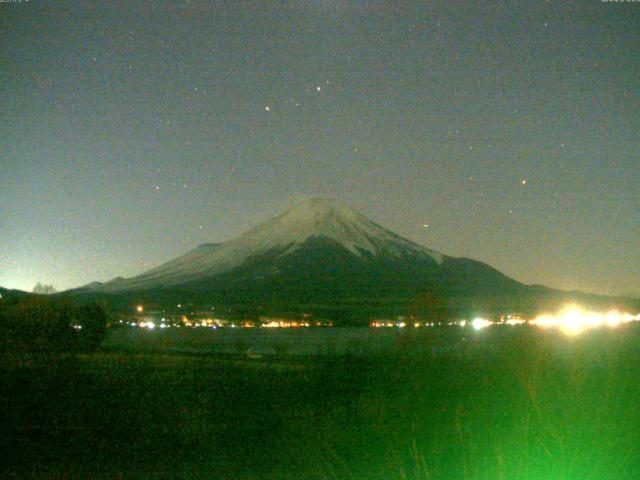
<point>321,257</point>
<point>314,222</point>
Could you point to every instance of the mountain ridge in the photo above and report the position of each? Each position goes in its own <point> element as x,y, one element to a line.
<point>322,258</point>
<point>309,219</point>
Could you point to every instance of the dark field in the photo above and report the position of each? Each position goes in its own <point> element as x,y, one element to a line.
<point>505,403</point>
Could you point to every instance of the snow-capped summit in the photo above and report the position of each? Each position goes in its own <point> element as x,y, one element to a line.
<point>319,217</point>
<point>321,258</point>
<point>312,219</point>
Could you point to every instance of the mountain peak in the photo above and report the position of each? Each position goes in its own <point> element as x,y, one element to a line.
<point>311,219</point>
<point>317,209</point>
<point>316,218</point>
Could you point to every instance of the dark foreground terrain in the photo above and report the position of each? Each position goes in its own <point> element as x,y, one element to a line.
<point>524,405</point>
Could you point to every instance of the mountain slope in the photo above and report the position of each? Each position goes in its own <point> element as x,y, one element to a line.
<point>323,258</point>
<point>282,235</point>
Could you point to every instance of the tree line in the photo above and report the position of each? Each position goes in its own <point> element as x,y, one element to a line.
<point>37,324</point>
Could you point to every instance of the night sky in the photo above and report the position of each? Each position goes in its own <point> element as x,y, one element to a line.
<point>508,132</point>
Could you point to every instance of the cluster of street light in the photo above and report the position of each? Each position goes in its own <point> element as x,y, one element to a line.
<point>571,320</point>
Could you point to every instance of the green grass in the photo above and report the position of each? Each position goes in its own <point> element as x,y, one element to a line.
<point>531,405</point>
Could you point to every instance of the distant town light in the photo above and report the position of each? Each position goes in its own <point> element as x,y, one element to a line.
<point>480,323</point>
<point>514,321</point>
<point>573,320</point>
<point>139,309</point>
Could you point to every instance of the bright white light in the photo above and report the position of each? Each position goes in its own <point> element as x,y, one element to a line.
<point>613,319</point>
<point>480,323</point>
<point>573,320</point>
<point>463,323</point>
<point>512,321</point>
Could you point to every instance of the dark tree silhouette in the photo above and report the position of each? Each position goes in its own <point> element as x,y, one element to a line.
<point>90,325</point>
<point>38,324</point>
<point>44,289</point>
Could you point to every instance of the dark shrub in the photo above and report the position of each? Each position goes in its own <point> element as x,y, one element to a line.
<point>37,324</point>
<point>90,325</point>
